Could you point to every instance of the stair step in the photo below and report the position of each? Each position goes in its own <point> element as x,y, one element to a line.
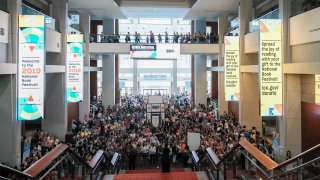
<point>202,175</point>
<point>141,171</point>
<point>156,176</point>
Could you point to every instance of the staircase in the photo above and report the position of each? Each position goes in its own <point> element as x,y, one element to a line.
<point>156,174</point>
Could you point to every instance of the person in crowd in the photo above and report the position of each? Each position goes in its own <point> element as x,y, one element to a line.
<point>166,37</point>
<point>152,40</point>
<point>159,38</point>
<point>127,38</point>
<point>166,159</point>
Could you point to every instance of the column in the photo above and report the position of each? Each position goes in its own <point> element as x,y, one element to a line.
<point>108,80</point>
<point>10,129</point>
<point>135,77</point>
<point>56,122</point>
<point>84,106</point>
<point>249,104</point>
<point>108,26</point>
<point>290,123</point>
<point>200,26</point>
<point>200,80</point>
<point>174,83</point>
<point>222,30</point>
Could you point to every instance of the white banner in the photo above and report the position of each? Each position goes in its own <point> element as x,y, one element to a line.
<point>231,68</point>
<point>31,67</point>
<point>74,67</point>
<point>270,67</point>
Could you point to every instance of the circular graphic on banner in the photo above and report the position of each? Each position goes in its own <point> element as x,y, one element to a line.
<point>33,35</point>
<point>30,110</point>
<point>73,95</point>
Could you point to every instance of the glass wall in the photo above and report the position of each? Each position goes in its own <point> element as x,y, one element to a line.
<point>154,76</point>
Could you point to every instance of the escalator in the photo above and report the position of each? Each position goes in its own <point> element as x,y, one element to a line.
<point>247,162</point>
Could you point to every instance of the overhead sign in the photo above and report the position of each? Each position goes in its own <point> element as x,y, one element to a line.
<point>270,67</point>
<point>231,68</point>
<point>158,51</point>
<point>74,68</point>
<point>31,67</point>
<point>317,88</point>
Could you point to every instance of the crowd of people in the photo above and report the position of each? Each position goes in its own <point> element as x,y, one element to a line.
<point>41,143</point>
<point>157,38</point>
<point>125,129</point>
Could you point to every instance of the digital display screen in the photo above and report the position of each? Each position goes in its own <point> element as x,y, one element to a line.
<point>155,51</point>
<point>31,67</point>
<point>74,66</point>
<point>270,67</point>
<point>232,68</point>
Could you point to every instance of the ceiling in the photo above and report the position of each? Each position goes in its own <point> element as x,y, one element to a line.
<point>187,9</point>
<point>155,12</point>
<point>99,9</point>
<point>211,9</point>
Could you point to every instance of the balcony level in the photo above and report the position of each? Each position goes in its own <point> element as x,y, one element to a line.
<point>124,48</point>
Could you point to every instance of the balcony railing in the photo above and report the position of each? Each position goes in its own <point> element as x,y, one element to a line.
<point>254,25</point>
<point>49,21</point>
<point>123,38</point>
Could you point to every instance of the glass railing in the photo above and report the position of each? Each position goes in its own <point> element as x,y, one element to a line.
<point>254,25</point>
<point>123,38</point>
<point>49,21</point>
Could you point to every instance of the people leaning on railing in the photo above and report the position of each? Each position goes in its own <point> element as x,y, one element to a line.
<point>199,37</point>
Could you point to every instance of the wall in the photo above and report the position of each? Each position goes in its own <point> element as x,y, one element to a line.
<point>304,28</point>
<point>233,106</point>
<point>310,117</point>
<point>251,42</point>
<point>53,41</point>
<point>4,23</point>
<point>73,113</point>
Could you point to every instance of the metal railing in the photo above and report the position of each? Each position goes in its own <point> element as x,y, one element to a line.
<point>254,25</point>
<point>254,164</point>
<point>124,38</point>
<point>60,162</point>
<point>49,21</point>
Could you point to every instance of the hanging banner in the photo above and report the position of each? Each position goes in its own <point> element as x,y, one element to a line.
<point>317,88</point>
<point>270,67</point>
<point>74,68</point>
<point>31,67</point>
<point>231,68</point>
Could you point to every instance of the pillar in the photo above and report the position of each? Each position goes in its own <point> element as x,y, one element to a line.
<point>290,122</point>
<point>174,88</point>
<point>56,122</point>
<point>108,26</point>
<point>222,30</point>
<point>10,129</point>
<point>108,80</point>
<point>249,82</point>
<point>135,89</point>
<point>200,80</point>
<point>84,106</point>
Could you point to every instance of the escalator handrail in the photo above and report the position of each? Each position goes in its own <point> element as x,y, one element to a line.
<point>296,168</point>
<point>15,171</point>
<point>75,155</point>
<point>226,156</point>
<point>46,160</point>
<point>289,161</point>
<point>268,163</point>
